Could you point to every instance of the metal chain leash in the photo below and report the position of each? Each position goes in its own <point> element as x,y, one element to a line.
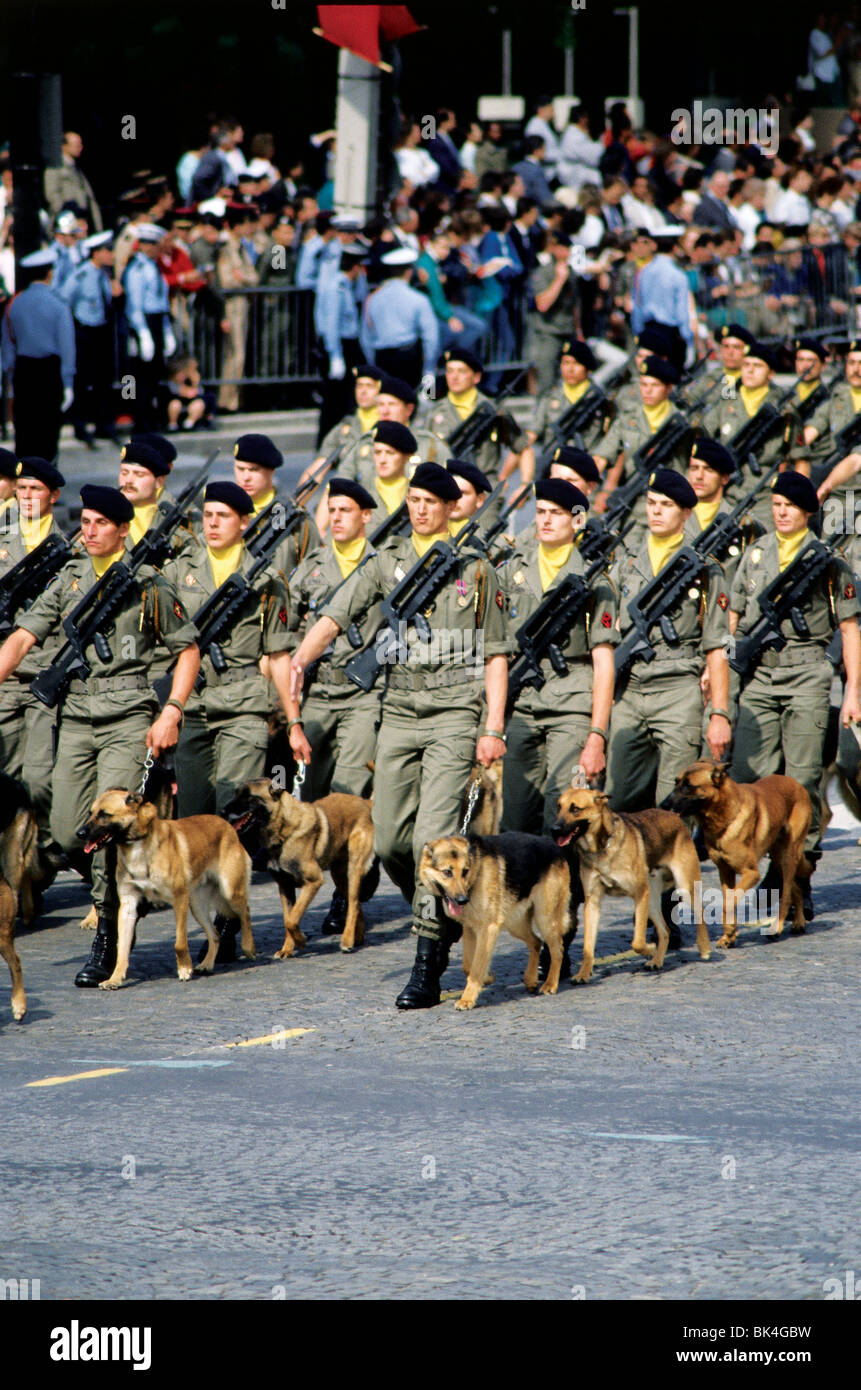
<point>474,789</point>
<point>146,767</point>
<point>298,780</point>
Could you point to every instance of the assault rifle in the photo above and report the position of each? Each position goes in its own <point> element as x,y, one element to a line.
<point>406,604</point>
<point>845,441</point>
<point>781,599</point>
<point>574,421</point>
<point>288,514</point>
<point>104,600</point>
<point>648,457</point>
<point>397,523</point>
<point>544,632</point>
<point>27,579</point>
<point>471,433</point>
<point>747,441</point>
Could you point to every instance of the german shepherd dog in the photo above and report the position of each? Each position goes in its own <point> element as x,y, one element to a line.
<point>489,882</point>
<point>193,863</point>
<point>159,789</point>
<point>302,840</point>
<point>741,822</point>
<point>633,855</point>
<point>18,860</point>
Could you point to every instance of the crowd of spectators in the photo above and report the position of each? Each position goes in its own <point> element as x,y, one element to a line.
<point>523,234</point>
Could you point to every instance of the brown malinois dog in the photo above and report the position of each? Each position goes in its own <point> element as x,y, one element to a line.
<point>634,855</point>
<point>741,822</point>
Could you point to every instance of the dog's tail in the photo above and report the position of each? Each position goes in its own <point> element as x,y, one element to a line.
<point>371,882</point>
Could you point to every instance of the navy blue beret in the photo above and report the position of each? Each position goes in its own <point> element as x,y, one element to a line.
<point>231,495</point>
<point>107,501</point>
<point>259,449</point>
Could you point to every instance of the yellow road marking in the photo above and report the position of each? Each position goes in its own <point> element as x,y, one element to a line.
<point>272,1037</point>
<point>77,1076</point>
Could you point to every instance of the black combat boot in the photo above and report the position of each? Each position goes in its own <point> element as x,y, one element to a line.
<point>228,929</point>
<point>668,905</point>
<point>544,959</point>
<point>103,956</point>
<point>336,918</point>
<point>422,988</point>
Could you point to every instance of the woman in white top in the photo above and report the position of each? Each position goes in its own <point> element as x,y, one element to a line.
<point>792,206</point>
<point>414,163</point>
<point>639,208</point>
<point>470,145</point>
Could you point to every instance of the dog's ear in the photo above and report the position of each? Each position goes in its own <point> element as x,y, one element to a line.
<point>134,799</point>
<point>719,774</point>
<point>601,798</point>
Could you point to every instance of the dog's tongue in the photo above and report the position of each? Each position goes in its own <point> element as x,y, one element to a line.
<point>456,909</point>
<point>563,840</point>
<point>90,846</point>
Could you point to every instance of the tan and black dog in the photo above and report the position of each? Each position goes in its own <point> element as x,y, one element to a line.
<point>194,863</point>
<point>634,854</point>
<point>741,822</point>
<point>25,870</point>
<point>302,840</point>
<point>489,882</point>
<point>487,805</point>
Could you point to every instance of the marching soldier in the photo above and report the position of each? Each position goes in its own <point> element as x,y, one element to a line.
<point>26,725</point>
<point>733,341</point>
<point>576,363</point>
<point>349,430</point>
<point>38,351</point>
<point>474,489</point>
<point>255,460</point>
<point>724,420</point>
<point>394,455</point>
<point>657,716</point>
<point>141,479</point>
<point>841,408</point>
<point>633,428</point>
<point>783,708</point>
<point>463,372</point>
<point>710,471</point>
<point>572,466</point>
<point>109,719</point>
<point>566,722</point>
<point>654,340</point>
<point>431,710</point>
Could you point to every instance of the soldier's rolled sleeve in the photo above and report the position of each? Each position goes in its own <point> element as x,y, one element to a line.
<point>176,629</point>
<point>612,444</point>
<point>715,621</point>
<point>605,612</point>
<point>497,641</point>
<point>845,596</point>
<point>364,587</point>
<point>277,636</point>
<point>45,614</point>
<point>538,424</point>
<point>738,592</point>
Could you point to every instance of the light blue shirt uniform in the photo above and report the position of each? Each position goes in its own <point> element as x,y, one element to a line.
<point>39,324</point>
<point>88,294</point>
<point>308,265</point>
<point>397,316</point>
<point>336,311</point>
<point>662,292</point>
<point>67,262</point>
<point>146,292</point>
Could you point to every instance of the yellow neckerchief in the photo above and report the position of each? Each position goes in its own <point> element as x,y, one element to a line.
<point>224,562</point>
<point>752,400</point>
<point>574,393</point>
<point>706,512</point>
<point>392,491</point>
<point>258,503</point>
<point>806,388</point>
<point>856,400</point>
<point>455,527</point>
<point>34,532</point>
<point>657,414</point>
<point>102,563</point>
<point>551,559</point>
<point>789,546</point>
<point>142,521</point>
<point>348,554</point>
<point>367,417</point>
<point>464,401</point>
<point>732,375</point>
<point>7,503</point>
<point>641,261</point>
<point>661,548</point>
<point>422,544</point>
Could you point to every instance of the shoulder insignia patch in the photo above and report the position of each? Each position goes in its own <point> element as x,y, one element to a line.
<point>849,591</point>
<point>75,586</point>
<point>755,555</point>
<point>518,577</point>
<point>554,405</point>
<point>345,429</point>
<point>282,616</point>
<point>606,620</point>
<point>178,609</point>
<point>190,579</point>
<point>364,451</point>
<point>723,601</point>
<point>500,601</point>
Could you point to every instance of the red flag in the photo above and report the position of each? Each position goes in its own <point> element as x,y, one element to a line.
<point>360,27</point>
